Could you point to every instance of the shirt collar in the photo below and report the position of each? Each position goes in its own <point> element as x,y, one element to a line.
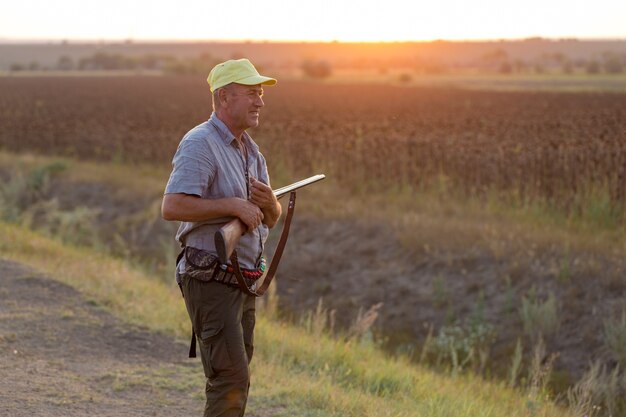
<point>228,138</point>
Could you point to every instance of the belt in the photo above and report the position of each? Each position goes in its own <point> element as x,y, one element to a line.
<point>225,274</point>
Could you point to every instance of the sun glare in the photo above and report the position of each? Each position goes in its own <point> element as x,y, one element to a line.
<point>323,20</point>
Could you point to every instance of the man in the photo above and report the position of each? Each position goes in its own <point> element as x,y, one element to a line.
<point>218,174</point>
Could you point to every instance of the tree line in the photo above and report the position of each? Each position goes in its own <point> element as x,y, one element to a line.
<point>496,61</point>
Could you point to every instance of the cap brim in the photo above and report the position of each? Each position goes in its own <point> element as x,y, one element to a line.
<point>256,79</point>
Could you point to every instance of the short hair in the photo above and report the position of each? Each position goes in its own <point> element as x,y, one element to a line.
<point>216,96</point>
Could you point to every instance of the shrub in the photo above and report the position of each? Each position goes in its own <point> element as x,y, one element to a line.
<point>464,345</point>
<point>316,69</point>
<point>540,318</point>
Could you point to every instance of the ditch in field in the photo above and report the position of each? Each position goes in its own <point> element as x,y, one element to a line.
<point>460,304</point>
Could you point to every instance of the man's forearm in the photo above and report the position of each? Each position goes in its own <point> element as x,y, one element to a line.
<point>189,208</point>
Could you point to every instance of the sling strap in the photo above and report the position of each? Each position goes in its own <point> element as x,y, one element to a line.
<point>275,259</point>
<point>192,344</point>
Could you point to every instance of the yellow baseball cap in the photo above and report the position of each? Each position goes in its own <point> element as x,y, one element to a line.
<point>240,71</point>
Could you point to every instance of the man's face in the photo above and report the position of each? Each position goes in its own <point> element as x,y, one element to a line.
<point>244,103</point>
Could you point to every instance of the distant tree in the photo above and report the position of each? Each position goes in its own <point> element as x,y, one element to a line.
<point>196,66</point>
<point>505,68</point>
<point>520,66</point>
<point>593,67</point>
<point>16,66</point>
<point>559,58</point>
<point>174,67</point>
<point>105,61</point>
<point>316,69</point>
<point>405,78</point>
<point>494,60</point>
<point>568,67</point>
<point>34,66</point>
<point>85,64</point>
<point>496,56</point>
<point>613,64</point>
<point>149,61</point>
<point>65,63</point>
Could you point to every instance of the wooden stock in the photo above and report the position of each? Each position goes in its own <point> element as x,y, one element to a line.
<point>227,237</point>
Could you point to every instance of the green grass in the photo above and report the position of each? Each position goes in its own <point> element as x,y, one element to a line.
<point>557,82</point>
<point>294,372</point>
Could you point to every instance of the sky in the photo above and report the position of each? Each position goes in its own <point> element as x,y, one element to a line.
<point>320,20</point>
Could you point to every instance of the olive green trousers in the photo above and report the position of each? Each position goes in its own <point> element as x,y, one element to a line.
<point>223,318</point>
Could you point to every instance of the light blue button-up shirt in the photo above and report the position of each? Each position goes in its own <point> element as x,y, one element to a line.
<point>209,164</point>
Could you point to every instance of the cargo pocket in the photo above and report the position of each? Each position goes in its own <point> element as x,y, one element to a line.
<point>215,356</point>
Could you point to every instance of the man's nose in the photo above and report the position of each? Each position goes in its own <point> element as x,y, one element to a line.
<point>259,101</point>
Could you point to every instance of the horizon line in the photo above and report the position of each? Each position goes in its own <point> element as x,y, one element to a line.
<point>131,40</point>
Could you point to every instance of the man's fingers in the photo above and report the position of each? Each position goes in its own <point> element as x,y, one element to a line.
<point>261,194</point>
<point>260,186</point>
<point>257,200</point>
<point>253,218</point>
<point>250,214</point>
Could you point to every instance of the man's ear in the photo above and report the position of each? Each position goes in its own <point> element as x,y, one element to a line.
<point>222,95</point>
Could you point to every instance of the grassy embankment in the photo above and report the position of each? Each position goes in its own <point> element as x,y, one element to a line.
<point>298,370</point>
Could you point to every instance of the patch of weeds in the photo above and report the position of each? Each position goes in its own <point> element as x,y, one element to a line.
<point>615,337</point>
<point>462,345</point>
<point>451,317</point>
<point>539,376</point>
<point>23,201</point>
<point>565,269</point>
<point>540,317</point>
<point>361,329</point>
<point>427,346</point>
<point>74,226</point>
<point>40,176</point>
<point>509,296</point>
<point>516,364</point>
<point>23,190</point>
<point>441,296</point>
<point>597,393</point>
<point>477,316</point>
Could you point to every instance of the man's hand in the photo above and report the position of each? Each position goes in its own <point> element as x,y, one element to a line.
<point>249,213</point>
<point>263,196</point>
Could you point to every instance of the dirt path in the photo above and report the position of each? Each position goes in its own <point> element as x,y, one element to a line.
<point>62,355</point>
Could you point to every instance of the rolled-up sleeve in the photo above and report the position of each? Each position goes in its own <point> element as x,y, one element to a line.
<point>193,168</point>
<point>262,174</point>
